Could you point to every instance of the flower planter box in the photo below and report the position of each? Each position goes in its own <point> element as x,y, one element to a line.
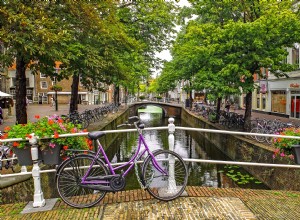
<point>296,153</point>
<point>51,156</point>
<point>24,156</point>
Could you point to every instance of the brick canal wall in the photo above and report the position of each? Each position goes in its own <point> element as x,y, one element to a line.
<point>240,148</point>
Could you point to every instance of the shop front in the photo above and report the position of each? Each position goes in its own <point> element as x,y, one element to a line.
<point>295,100</point>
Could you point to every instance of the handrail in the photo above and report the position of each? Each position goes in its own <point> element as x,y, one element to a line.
<point>38,197</point>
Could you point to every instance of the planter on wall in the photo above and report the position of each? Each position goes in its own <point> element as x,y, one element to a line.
<point>24,156</point>
<point>51,156</point>
<point>296,153</point>
<point>48,156</point>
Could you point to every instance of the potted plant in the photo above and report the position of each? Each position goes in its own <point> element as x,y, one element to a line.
<point>159,98</point>
<point>56,88</point>
<point>142,97</point>
<point>288,147</point>
<point>50,148</point>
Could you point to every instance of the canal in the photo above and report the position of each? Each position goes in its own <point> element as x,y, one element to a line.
<point>187,144</point>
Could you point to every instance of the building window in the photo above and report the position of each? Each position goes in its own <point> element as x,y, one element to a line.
<point>44,85</point>
<point>278,101</point>
<point>264,103</point>
<point>258,103</point>
<point>14,82</point>
<point>42,75</point>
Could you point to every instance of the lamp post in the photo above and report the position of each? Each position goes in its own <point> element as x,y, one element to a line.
<point>55,90</point>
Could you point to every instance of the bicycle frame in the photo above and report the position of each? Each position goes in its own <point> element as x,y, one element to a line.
<point>138,154</point>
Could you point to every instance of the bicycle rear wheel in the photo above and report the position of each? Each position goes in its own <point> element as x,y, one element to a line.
<point>161,186</point>
<point>260,139</point>
<point>68,181</point>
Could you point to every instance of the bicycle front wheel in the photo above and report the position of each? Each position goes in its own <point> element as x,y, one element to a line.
<point>69,185</point>
<point>170,183</point>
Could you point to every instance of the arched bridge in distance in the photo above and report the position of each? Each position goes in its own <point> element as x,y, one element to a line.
<point>168,109</point>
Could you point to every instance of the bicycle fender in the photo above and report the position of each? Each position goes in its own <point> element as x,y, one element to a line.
<point>86,155</point>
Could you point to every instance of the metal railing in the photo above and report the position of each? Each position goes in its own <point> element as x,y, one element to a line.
<point>39,201</point>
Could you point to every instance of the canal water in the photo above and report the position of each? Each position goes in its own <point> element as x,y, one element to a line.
<point>187,144</point>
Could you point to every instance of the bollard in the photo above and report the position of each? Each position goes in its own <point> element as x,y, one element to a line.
<point>172,183</point>
<point>23,169</point>
<point>38,197</point>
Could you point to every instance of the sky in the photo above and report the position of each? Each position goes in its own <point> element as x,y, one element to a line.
<point>165,54</point>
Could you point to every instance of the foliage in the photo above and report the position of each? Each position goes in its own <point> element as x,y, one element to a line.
<point>56,88</point>
<point>284,145</point>
<point>230,41</point>
<point>142,97</point>
<point>238,176</point>
<point>47,127</point>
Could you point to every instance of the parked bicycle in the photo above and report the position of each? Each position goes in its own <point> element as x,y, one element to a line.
<point>7,157</point>
<point>83,179</point>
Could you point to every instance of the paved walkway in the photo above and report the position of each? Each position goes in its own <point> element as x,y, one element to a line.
<point>201,203</point>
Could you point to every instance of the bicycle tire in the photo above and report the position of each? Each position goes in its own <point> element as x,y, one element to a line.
<point>68,179</point>
<point>1,162</point>
<point>13,163</point>
<point>105,113</point>
<point>158,185</point>
<point>260,139</point>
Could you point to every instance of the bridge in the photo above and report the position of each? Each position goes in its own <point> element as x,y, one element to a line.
<point>168,110</point>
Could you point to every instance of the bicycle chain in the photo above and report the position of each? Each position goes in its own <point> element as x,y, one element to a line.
<point>138,176</point>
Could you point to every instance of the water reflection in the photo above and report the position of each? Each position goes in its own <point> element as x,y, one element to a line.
<point>187,144</point>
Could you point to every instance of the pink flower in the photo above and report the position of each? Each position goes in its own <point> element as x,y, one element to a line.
<point>52,145</point>
<point>282,154</point>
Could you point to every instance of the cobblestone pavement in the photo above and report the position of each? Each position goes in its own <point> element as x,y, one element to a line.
<point>201,203</point>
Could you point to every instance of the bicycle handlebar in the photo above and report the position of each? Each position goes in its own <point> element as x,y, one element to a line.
<point>131,121</point>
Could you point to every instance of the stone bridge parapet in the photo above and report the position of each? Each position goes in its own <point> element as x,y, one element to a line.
<point>169,109</point>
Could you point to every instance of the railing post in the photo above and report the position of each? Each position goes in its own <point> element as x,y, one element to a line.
<point>38,197</point>
<point>172,183</point>
<point>23,169</point>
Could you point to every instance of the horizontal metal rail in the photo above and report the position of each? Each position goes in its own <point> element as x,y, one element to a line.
<point>185,159</point>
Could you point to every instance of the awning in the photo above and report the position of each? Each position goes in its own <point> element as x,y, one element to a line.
<point>65,93</point>
<point>3,94</point>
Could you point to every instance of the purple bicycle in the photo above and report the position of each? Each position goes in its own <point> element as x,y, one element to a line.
<point>83,179</point>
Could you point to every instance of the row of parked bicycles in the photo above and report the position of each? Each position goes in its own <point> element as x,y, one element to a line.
<point>89,116</point>
<point>225,118</point>
<point>236,121</point>
<point>263,126</point>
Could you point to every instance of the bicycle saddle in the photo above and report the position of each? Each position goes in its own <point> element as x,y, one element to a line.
<point>94,135</point>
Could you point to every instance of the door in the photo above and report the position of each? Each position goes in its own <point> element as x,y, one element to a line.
<point>295,106</point>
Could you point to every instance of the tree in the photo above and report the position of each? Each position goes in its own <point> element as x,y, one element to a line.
<point>32,35</point>
<point>152,25</point>
<point>230,41</point>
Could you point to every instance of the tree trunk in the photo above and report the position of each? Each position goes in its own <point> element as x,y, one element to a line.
<point>116,95</point>
<point>219,100</point>
<point>21,106</point>
<point>248,111</point>
<point>126,95</point>
<point>190,100</point>
<point>74,94</point>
